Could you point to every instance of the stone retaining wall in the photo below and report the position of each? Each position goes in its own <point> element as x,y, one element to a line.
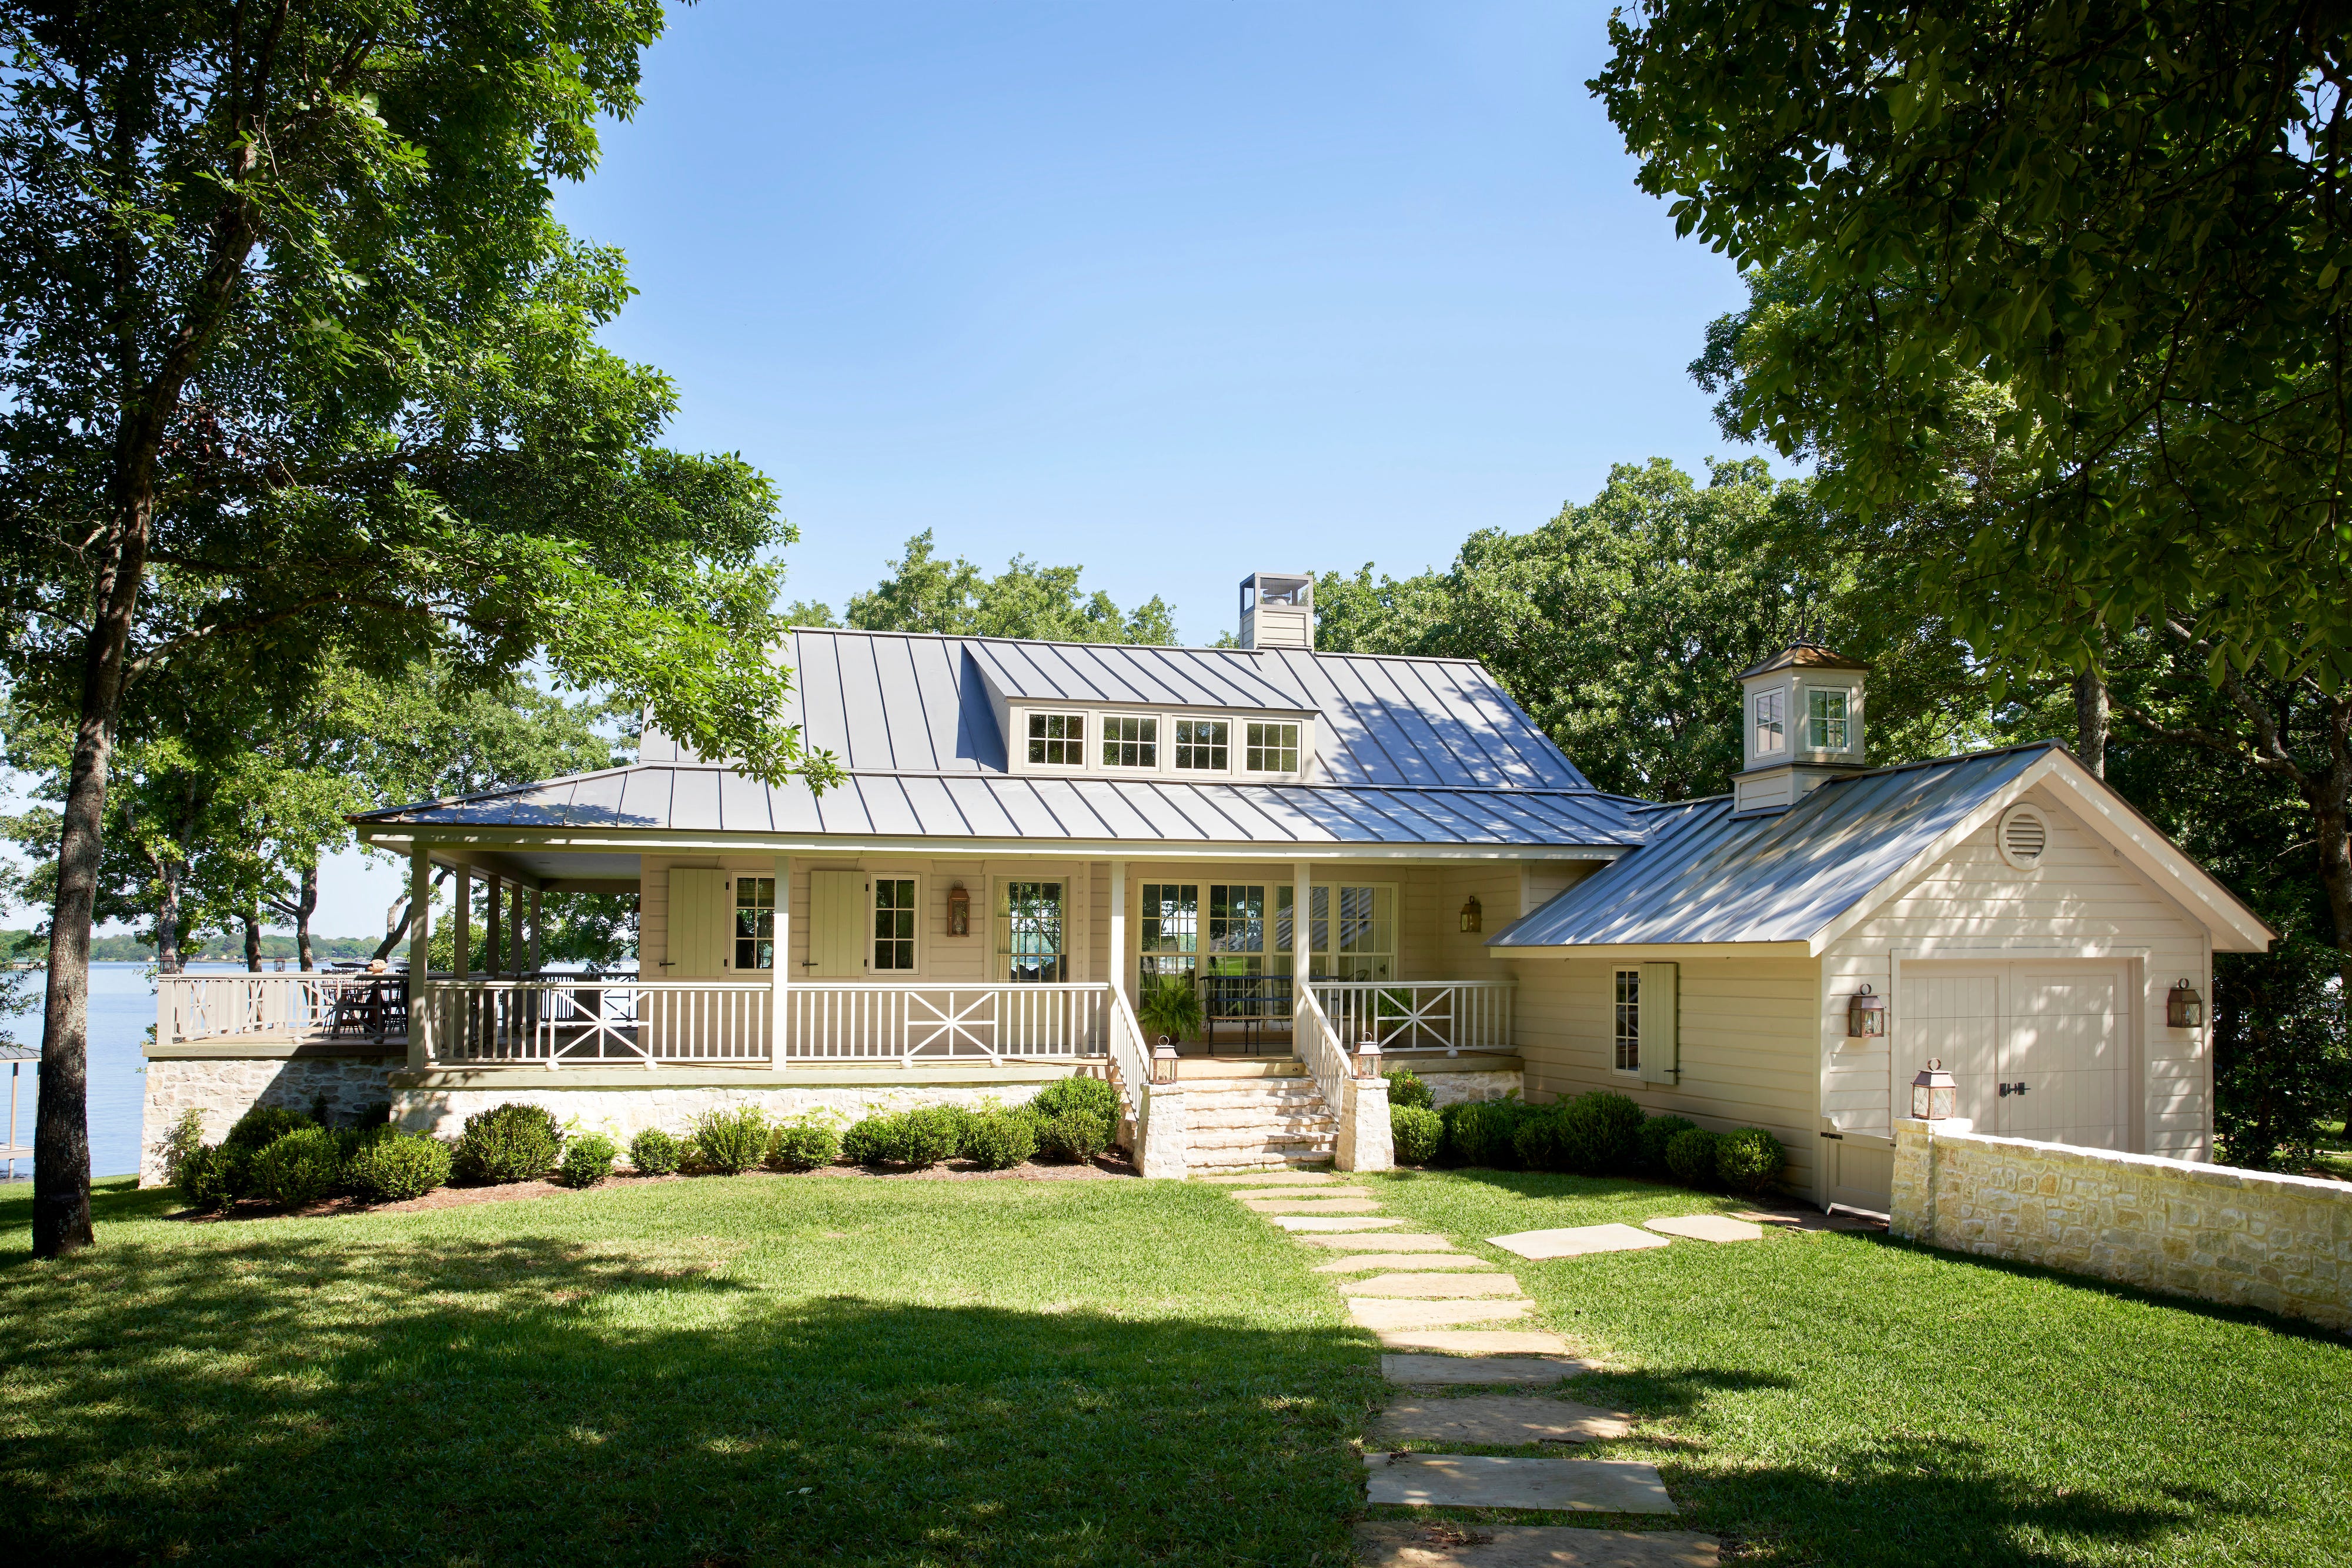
<point>621,1114</point>
<point>2281,1243</point>
<point>1453,1088</point>
<point>221,1090</point>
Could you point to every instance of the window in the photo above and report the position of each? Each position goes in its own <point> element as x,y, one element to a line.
<point>1200,744</point>
<point>1273,748</point>
<point>1058,740</point>
<point>1029,940</point>
<point>894,924</point>
<point>1169,941</point>
<point>1629,1021</point>
<point>1772,722</point>
<point>1366,932</point>
<point>1826,714</point>
<point>1130,742</point>
<point>755,922</point>
<point>1237,930</point>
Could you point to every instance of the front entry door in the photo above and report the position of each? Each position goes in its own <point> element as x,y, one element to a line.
<point>2039,1050</point>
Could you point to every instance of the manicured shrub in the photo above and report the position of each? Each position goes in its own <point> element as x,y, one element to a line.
<point>1537,1138</point>
<point>262,1126</point>
<point>1600,1134</point>
<point>1746,1159</point>
<point>587,1160</point>
<point>1690,1157</point>
<point>927,1135</point>
<point>1486,1132</point>
<point>1074,1134</point>
<point>512,1141</point>
<point>206,1178</point>
<point>999,1140</point>
<point>1405,1088</point>
<point>872,1142</point>
<point>655,1152</point>
<point>803,1144</point>
<point>301,1166</point>
<point>728,1143</point>
<point>1656,1134</point>
<point>1094,1094</point>
<point>1417,1131</point>
<point>397,1168</point>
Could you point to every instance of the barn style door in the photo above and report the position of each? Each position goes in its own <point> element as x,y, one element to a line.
<point>2039,1050</point>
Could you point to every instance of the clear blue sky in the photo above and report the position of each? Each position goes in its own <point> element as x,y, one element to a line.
<point>1174,291</point>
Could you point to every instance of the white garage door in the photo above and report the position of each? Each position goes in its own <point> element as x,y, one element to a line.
<point>2040,1050</point>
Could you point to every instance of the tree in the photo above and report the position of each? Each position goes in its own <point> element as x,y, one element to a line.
<point>924,593</point>
<point>1622,625</point>
<point>291,337</point>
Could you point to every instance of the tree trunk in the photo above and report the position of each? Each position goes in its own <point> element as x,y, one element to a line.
<point>2091,721</point>
<point>167,918</point>
<point>251,921</point>
<point>303,910</point>
<point>407,911</point>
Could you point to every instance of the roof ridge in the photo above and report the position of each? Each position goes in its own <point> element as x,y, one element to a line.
<point>1138,647</point>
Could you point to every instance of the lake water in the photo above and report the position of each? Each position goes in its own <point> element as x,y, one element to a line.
<point>122,1011</point>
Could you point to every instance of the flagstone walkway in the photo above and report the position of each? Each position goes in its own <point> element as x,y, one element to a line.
<point>1443,1316</point>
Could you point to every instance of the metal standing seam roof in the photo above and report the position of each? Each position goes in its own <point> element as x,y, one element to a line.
<point>1701,877</point>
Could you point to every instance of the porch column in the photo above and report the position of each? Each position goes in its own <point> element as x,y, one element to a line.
<point>538,950</point>
<point>463,922</point>
<point>420,947</point>
<point>1119,976</point>
<point>490,964</point>
<point>1302,926</point>
<point>777,1000</point>
<point>514,927</point>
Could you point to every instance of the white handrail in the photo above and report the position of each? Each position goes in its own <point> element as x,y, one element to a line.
<point>1327,1062</point>
<point>1454,1015</point>
<point>213,1007</point>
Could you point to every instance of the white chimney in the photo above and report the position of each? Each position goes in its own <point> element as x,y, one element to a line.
<point>1277,610</point>
<point>1800,720</point>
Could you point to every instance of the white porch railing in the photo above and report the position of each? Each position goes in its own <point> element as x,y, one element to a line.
<point>1327,1061</point>
<point>1452,1016</point>
<point>927,1020</point>
<point>219,1006</point>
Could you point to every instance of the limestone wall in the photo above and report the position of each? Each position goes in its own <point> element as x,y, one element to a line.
<point>1452,1088</point>
<point>222,1089</point>
<point>621,1114</point>
<point>2281,1243</point>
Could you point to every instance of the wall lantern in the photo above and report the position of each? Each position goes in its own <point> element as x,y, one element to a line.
<point>1473,917</point>
<point>1865,1016</point>
<point>1163,1061</point>
<point>2183,1007</point>
<point>1933,1094</point>
<point>959,912</point>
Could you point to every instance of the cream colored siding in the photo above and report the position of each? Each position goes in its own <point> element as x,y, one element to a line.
<point>1749,1043</point>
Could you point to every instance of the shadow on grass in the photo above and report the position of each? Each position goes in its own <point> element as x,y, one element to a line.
<point>280,1396</point>
<point>1562,1184</point>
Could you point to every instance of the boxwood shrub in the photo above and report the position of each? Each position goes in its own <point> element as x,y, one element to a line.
<point>206,1177</point>
<point>587,1160</point>
<point>999,1140</point>
<point>1746,1159</point>
<point>803,1144</point>
<point>1600,1134</point>
<point>1405,1088</point>
<point>513,1142</point>
<point>927,1135</point>
<point>1417,1131</point>
<point>1656,1134</point>
<point>871,1142</point>
<point>1077,1135</point>
<point>1486,1132</point>
<point>1690,1156</point>
<point>653,1153</point>
<point>299,1167</point>
<point>399,1166</point>
<point>728,1143</point>
<point>1091,1095</point>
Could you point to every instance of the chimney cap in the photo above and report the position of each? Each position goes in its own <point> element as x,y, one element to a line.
<point>1802,654</point>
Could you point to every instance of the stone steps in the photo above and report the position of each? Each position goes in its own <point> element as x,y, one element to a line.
<point>1242,1123</point>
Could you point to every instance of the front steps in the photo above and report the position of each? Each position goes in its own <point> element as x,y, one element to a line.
<point>1265,1119</point>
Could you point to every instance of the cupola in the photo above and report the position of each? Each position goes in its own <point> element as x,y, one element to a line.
<point>1277,610</point>
<point>1801,713</point>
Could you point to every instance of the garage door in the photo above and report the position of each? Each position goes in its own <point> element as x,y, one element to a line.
<point>2039,1050</point>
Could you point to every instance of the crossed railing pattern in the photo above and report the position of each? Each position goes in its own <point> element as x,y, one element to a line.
<point>1452,1016</point>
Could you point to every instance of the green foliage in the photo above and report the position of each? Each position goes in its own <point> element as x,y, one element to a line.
<point>398,1168</point>
<point>1600,1134</point>
<point>587,1160</point>
<point>872,1141</point>
<point>1171,1006</point>
<point>262,1126</point>
<point>728,1143</point>
<point>513,1142</point>
<point>2281,1059</point>
<point>1656,1134</point>
<point>805,1144</point>
<point>186,1137</point>
<point>1074,1134</point>
<point>1748,1159</point>
<point>1096,1095</point>
<point>1405,1088</point>
<point>999,1140</point>
<point>1486,1132</point>
<point>924,593</point>
<point>1691,1156</point>
<point>655,1152</point>
<point>299,1167</point>
<point>1416,1132</point>
<point>927,1135</point>
<point>209,1178</point>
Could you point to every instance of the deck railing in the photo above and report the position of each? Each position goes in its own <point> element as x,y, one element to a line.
<point>330,1003</point>
<point>1451,1015</point>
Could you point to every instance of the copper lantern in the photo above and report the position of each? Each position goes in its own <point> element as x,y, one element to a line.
<point>2183,1007</point>
<point>1473,917</point>
<point>1933,1094</point>
<point>959,912</point>
<point>1865,1016</point>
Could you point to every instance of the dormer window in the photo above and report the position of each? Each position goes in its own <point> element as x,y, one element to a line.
<point>1272,749</point>
<point>1200,744</point>
<point>1130,742</point>
<point>1772,723</point>
<point>1058,740</point>
<point>1826,720</point>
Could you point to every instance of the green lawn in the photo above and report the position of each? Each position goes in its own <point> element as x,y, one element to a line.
<point>1846,1399</point>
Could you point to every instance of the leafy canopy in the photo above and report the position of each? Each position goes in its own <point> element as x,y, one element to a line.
<point>925,593</point>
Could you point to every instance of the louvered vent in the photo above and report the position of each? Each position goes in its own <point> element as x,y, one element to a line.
<point>2023,836</point>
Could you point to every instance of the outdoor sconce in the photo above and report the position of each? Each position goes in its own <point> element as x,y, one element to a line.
<point>1933,1094</point>
<point>959,912</point>
<point>1473,917</point>
<point>2183,1007</point>
<point>1865,1016</point>
<point>1163,1061</point>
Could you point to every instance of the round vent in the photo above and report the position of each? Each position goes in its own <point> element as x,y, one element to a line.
<point>2024,834</point>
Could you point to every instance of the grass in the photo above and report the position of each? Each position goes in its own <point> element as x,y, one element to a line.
<point>746,1370</point>
<point>1846,1399</point>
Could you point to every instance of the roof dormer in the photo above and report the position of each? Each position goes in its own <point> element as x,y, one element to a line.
<point>1801,723</point>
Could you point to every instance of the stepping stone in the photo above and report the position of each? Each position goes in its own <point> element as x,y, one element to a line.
<point>1499,1421</point>
<point>1434,1287</point>
<point>1373,1313</point>
<point>1487,1480</point>
<point>1306,1203</point>
<point>1315,1195</point>
<point>1707,1227</point>
<point>1390,1242</point>
<point>1577,1241</point>
<point>1394,1546</point>
<point>1363,1261</point>
<point>1480,1342</point>
<point>1327,1223</point>
<point>1521,1371</point>
<point>1806,1219</point>
<point>1269,1178</point>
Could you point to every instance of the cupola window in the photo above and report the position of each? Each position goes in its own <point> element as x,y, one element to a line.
<point>1772,723</point>
<point>1826,719</point>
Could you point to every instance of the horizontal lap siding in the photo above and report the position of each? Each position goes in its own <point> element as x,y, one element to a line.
<point>1748,1044</point>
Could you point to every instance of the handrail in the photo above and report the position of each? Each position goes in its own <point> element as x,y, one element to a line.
<point>1318,1048</point>
<point>1128,1058</point>
<point>1392,1016</point>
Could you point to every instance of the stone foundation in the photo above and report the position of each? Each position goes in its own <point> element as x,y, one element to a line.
<point>1453,1088</point>
<point>622,1112</point>
<point>2281,1243</point>
<point>222,1089</point>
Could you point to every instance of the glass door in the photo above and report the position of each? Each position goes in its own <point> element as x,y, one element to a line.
<point>1360,945</point>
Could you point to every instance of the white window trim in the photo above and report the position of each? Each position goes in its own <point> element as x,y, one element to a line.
<point>922,920</point>
<point>1756,724</point>
<point>1240,737</point>
<point>996,896</point>
<point>1172,720</point>
<point>1163,729</point>
<point>1092,736</point>
<point>1615,974</point>
<point>1848,720</point>
<point>1096,719</point>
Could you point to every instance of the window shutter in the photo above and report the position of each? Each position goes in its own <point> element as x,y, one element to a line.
<point>699,916</point>
<point>1661,1023</point>
<point>839,915</point>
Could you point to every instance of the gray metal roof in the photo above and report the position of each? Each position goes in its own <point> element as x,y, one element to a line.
<point>695,797</point>
<point>1700,876</point>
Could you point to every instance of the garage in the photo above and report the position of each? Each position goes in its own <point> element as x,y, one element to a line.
<point>2040,1050</point>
